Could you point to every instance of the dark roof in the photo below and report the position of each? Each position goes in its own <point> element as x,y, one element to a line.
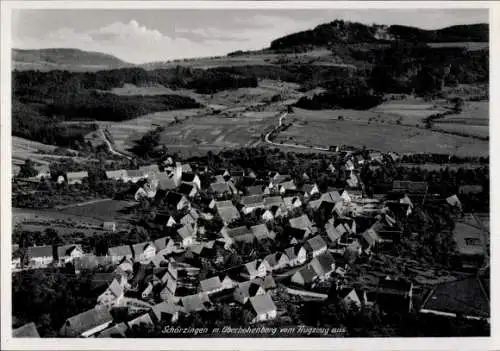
<point>465,297</point>
<point>255,190</point>
<point>185,189</point>
<point>307,274</point>
<point>40,251</point>
<point>394,287</point>
<point>65,250</point>
<point>123,250</point>
<point>188,177</point>
<point>76,325</point>
<point>26,331</point>
<point>252,200</point>
<point>316,243</point>
<point>173,198</point>
<point>117,330</point>
<point>220,188</point>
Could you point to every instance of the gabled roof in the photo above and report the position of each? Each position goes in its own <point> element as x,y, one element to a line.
<point>289,185</point>
<point>331,231</point>
<point>248,288</point>
<point>303,222</point>
<point>226,203</point>
<point>26,331</point>
<point>260,231</point>
<point>161,243</point>
<point>210,284</point>
<point>262,304</point>
<point>188,177</point>
<point>323,264</point>
<point>253,266</point>
<point>76,175</point>
<point>115,288</point>
<point>185,189</point>
<point>139,248</point>
<point>281,178</point>
<point>166,182</point>
<point>76,325</point>
<point>173,198</point>
<point>253,200</point>
<point>293,251</point>
<point>228,213</point>
<point>273,201</point>
<point>163,308</point>
<point>289,201</point>
<point>307,188</point>
<point>255,190</point>
<point>220,188</point>
<point>463,297</point>
<point>194,303</point>
<point>316,243</point>
<point>134,173</point>
<point>331,196</point>
<point>40,251</point>
<point>119,173</point>
<point>186,231</point>
<point>274,258</point>
<point>142,319</point>
<point>307,274</point>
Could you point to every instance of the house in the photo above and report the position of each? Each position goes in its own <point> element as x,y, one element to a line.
<point>296,255</point>
<point>177,200</point>
<point>288,185</point>
<point>280,178</point>
<point>227,211</point>
<point>220,189</point>
<point>167,181</point>
<point>150,282</point>
<point>263,308</point>
<point>164,245</point>
<point>304,276</point>
<point>237,234</point>
<point>273,201</point>
<point>410,187</point>
<point>272,213</point>
<point>395,295</point>
<point>310,189</point>
<point>190,218</point>
<point>76,177</point>
<point>40,256</point>
<point>254,190</point>
<point>133,175</point>
<point>87,323</point>
<point>304,223</point>
<point>292,202</point>
<point>117,253</point>
<point>67,253</point>
<point>26,331</point>
<point>187,234</point>
<point>149,171</point>
<point>471,243</point>
<point>116,331</point>
<point>323,265</point>
<point>353,180</point>
<point>109,226</point>
<point>210,285</point>
<point>257,268</point>
<point>113,294</point>
<point>315,246</point>
<point>196,303</point>
<point>250,203</point>
<point>470,189</point>
<point>187,190</point>
<point>143,251</point>
<point>165,312</point>
<point>465,297</point>
<point>277,260</point>
<point>453,201</point>
<point>143,319</point>
<point>260,232</point>
<point>370,239</point>
<point>348,297</point>
<point>191,178</point>
<point>332,233</point>
<point>246,290</point>
<point>331,196</point>
<point>119,174</point>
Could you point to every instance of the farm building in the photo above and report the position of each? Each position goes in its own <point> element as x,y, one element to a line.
<point>263,308</point>
<point>88,323</point>
<point>76,177</point>
<point>109,226</point>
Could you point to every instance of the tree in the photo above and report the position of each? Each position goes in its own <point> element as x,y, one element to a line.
<point>28,169</point>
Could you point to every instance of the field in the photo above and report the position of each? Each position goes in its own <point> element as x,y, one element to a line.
<point>471,46</point>
<point>463,129</point>
<point>409,111</point>
<point>473,120</point>
<point>108,210</point>
<point>200,134</point>
<point>383,137</point>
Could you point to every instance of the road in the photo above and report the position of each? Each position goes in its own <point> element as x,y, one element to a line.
<point>110,146</point>
<point>297,146</point>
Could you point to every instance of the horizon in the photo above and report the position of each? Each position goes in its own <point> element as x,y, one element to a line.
<point>141,36</point>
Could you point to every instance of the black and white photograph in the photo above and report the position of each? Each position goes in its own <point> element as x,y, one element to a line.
<point>247,173</point>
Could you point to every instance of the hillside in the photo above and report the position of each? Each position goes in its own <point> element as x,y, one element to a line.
<point>341,32</point>
<point>64,59</point>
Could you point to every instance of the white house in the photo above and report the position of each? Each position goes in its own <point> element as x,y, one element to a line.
<point>257,268</point>
<point>247,289</point>
<point>40,256</point>
<point>263,308</point>
<point>187,234</point>
<point>67,253</point>
<point>114,292</point>
<point>191,178</point>
<point>296,255</point>
<point>143,251</point>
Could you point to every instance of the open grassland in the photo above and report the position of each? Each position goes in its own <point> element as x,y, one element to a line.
<point>473,113</point>
<point>108,210</point>
<point>409,111</point>
<point>469,45</point>
<point>463,129</point>
<point>383,137</point>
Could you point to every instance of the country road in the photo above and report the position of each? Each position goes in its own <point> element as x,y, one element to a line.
<point>110,146</point>
<point>297,146</point>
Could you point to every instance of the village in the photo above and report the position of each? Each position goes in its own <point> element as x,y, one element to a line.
<point>249,245</point>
